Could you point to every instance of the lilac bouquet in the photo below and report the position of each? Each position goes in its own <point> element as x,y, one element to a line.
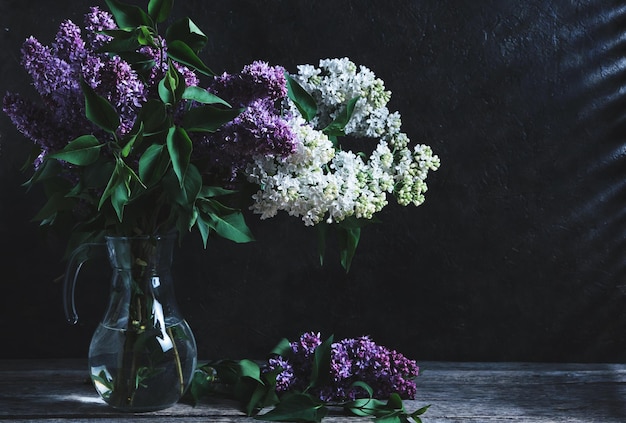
<point>324,183</point>
<point>303,379</point>
<point>129,141</point>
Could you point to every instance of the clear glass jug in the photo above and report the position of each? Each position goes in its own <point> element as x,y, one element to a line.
<point>143,354</point>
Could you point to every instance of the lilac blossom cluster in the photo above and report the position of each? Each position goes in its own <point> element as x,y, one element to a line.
<point>321,181</point>
<point>56,72</point>
<point>352,359</point>
<point>75,55</point>
<point>260,130</point>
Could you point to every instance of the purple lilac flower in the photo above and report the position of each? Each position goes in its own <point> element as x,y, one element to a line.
<point>69,45</point>
<point>256,80</point>
<point>307,344</point>
<point>385,371</point>
<point>96,21</point>
<point>56,72</point>
<point>257,131</point>
<point>260,130</point>
<point>49,73</point>
<point>285,378</point>
<point>35,123</point>
<point>121,85</point>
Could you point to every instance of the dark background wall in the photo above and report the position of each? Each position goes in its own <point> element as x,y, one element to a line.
<point>518,252</point>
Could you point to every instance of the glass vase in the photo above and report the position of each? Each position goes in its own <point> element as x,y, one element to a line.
<point>143,354</point>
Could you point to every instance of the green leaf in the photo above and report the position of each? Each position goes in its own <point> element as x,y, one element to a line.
<point>141,63</point>
<point>365,406</point>
<point>191,187</point>
<point>128,16</point>
<point>182,53</point>
<point>97,174</point>
<point>348,238</point>
<point>233,227</point>
<point>208,118</point>
<point>250,369</point>
<point>119,199</point>
<point>296,407</point>
<point>179,147</point>
<point>255,398</point>
<point>338,125</point>
<point>153,164</point>
<point>172,86</point>
<point>283,348</point>
<point>321,232</point>
<point>228,223</point>
<point>145,37</point>
<point>320,372</point>
<point>204,227</point>
<point>302,99</point>
<point>202,96</point>
<point>118,178</point>
<point>395,402</point>
<point>82,151</point>
<point>364,386</point>
<point>132,176</point>
<point>58,201</point>
<point>165,94</point>
<point>184,220</point>
<point>48,169</point>
<point>99,110</point>
<point>200,385</point>
<point>153,114</point>
<point>186,31</point>
<point>122,41</point>
<point>159,10</point>
<point>135,138</point>
<point>420,411</point>
<point>210,191</point>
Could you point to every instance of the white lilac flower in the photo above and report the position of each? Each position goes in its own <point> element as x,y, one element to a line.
<point>319,181</point>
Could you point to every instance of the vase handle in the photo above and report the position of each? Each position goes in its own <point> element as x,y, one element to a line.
<point>76,261</point>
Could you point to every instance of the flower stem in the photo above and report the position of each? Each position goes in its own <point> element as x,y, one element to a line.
<point>179,368</point>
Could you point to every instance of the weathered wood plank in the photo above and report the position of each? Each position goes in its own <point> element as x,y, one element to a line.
<point>59,391</point>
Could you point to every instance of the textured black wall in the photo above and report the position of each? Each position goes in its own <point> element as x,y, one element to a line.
<point>518,252</point>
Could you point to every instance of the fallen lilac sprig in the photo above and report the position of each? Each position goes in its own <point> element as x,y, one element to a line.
<point>302,379</point>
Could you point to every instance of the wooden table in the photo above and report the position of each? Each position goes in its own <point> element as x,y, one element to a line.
<point>58,391</point>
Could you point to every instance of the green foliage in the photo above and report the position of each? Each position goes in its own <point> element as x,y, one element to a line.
<point>99,110</point>
<point>301,98</point>
<point>241,380</point>
<point>179,147</point>
<point>255,389</point>
<point>296,407</point>
<point>182,53</point>
<point>337,127</point>
<point>348,236</point>
<point>186,31</point>
<point>320,373</point>
<point>159,10</point>
<point>208,118</point>
<point>83,151</point>
<point>128,16</point>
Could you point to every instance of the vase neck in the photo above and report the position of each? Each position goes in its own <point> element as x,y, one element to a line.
<point>142,291</point>
<point>147,253</point>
